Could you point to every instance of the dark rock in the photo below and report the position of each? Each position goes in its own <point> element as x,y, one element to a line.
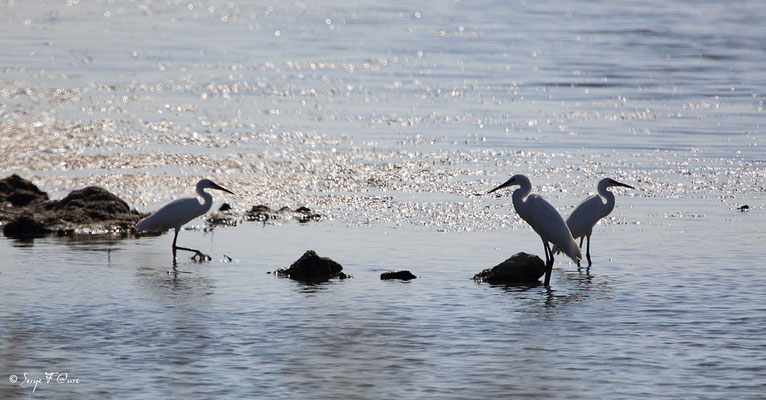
<point>222,219</point>
<point>264,213</point>
<point>404,275</point>
<point>308,217</point>
<point>93,208</point>
<point>25,226</point>
<point>744,208</point>
<point>260,209</point>
<point>20,192</point>
<point>225,207</point>
<point>519,269</point>
<point>88,210</point>
<point>304,215</point>
<point>312,268</point>
<point>260,213</point>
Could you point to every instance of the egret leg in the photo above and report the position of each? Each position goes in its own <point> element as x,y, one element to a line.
<point>587,252</point>
<point>548,263</point>
<point>175,238</point>
<point>199,256</point>
<point>545,249</point>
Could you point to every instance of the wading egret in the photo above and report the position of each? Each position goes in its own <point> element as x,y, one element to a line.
<point>178,212</point>
<point>586,215</point>
<point>544,219</point>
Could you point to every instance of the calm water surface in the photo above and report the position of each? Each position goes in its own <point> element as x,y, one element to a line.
<point>388,119</point>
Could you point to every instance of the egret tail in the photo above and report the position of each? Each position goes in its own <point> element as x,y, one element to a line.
<point>571,249</point>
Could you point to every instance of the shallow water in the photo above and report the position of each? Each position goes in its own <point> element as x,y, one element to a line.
<point>389,120</point>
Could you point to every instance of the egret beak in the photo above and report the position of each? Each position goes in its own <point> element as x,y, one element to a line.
<point>509,182</point>
<point>215,186</point>
<point>615,183</point>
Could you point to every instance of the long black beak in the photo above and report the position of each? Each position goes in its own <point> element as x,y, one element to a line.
<point>615,183</point>
<point>216,186</point>
<point>506,184</point>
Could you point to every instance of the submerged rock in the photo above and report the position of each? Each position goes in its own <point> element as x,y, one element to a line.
<point>521,268</point>
<point>88,210</point>
<point>312,268</point>
<point>25,226</point>
<point>403,275</point>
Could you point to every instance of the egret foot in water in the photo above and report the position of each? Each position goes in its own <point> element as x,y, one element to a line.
<point>590,211</point>
<point>177,213</point>
<point>544,219</point>
<point>198,255</point>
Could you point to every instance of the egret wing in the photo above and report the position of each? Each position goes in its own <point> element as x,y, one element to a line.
<point>585,216</point>
<point>549,224</point>
<point>171,215</point>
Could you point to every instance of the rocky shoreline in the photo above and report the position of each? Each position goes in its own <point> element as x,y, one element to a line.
<point>26,211</point>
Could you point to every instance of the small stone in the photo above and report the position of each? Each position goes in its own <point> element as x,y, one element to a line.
<point>224,207</point>
<point>403,275</point>
<point>521,268</point>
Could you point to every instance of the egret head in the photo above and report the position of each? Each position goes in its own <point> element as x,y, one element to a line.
<point>208,184</point>
<point>517,179</point>
<point>607,182</point>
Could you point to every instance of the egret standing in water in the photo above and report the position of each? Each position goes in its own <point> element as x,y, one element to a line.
<point>178,212</point>
<point>544,219</point>
<point>590,211</point>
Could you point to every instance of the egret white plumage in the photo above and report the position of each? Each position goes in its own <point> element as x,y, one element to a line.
<point>178,212</point>
<point>544,219</point>
<point>590,211</point>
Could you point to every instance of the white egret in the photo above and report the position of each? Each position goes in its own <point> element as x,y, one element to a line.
<point>178,212</point>
<point>544,219</point>
<point>590,211</point>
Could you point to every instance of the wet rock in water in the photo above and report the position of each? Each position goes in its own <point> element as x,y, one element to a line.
<point>25,226</point>
<point>89,210</point>
<point>305,215</point>
<point>227,217</point>
<point>403,275</point>
<point>312,268</point>
<point>20,192</point>
<point>224,217</point>
<point>521,268</point>
<point>260,213</point>
<point>264,213</point>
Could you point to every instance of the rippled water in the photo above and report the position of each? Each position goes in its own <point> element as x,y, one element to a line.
<point>389,119</point>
